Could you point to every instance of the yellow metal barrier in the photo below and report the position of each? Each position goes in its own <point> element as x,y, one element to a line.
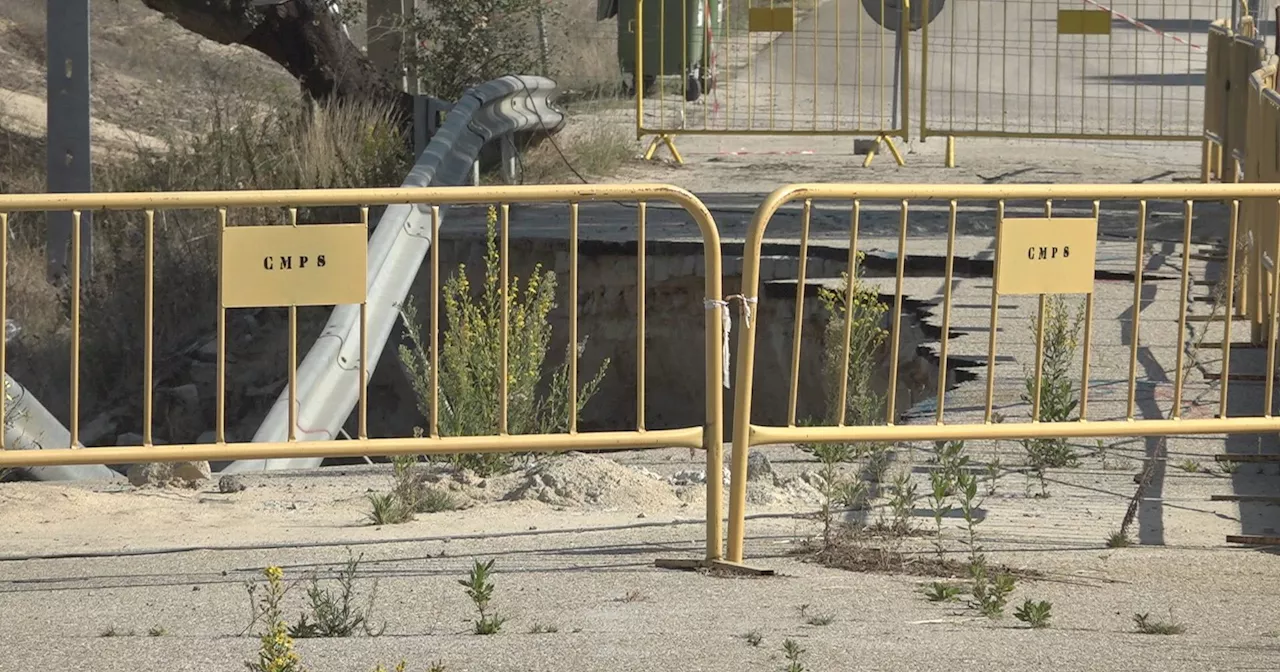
<point>343,277</point>
<point>773,67</point>
<point>1216,95</point>
<point>1259,219</point>
<point>1247,56</point>
<point>1048,250</point>
<point>1123,70</point>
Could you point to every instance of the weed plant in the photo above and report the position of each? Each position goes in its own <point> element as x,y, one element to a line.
<point>857,309</point>
<point>990,594</point>
<point>951,462</point>
<point>479,588</point>
<point>471,360</point>
<point>902,503</point>
<point>1058,400</point>
<point>276,652</point>
<point>1034,614</point>
<point>815,619</point>
<point>1118,539</point>
<point>333,613</point>
<point>792,651</point>
<point>1146,626</point>
<point>837,487</point>
<point>409,495</point>
<point>941,591</point>
<point>940,502</point>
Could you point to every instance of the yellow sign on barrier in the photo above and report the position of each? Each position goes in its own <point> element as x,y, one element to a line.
<point>316,265</point>
<point>767,20</point>
<point>1046,255</point>
<point>1084,22</point>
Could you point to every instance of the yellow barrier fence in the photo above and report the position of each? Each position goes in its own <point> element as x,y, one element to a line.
<point>1131,70</point>
<point>1217,90</point>
<point>1098,69</point>
<point>1104,248</point>
<point>1257,163</point>
<point>771,67</point>
<point>291,265</point>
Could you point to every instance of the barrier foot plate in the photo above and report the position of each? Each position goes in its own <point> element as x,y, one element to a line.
<point>711,565</point>
<point>893,149</point>
<point>1253,539</point>
<point>670,144</point>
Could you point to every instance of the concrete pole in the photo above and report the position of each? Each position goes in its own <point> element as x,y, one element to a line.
<point>67,117</point>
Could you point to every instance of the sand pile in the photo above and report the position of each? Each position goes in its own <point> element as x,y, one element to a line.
<point>579,479</point>
<point>583,480</point>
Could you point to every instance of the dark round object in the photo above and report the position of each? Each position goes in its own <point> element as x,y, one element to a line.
<point>892,14</point>
<point>649,81</point>
<point>692,88</point>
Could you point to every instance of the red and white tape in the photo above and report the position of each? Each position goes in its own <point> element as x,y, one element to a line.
<point>1142,25</point>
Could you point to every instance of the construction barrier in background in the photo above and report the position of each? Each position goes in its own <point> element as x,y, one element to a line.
<point>1130,70</point>
<point>290,265</point>
<point>1052,242</point>
<point>1232,60</point>
<point>1241,122</point>
<point>1123,70</point>
<point>772,67</point>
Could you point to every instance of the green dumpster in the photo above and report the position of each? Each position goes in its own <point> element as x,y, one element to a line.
<point>678,38</point>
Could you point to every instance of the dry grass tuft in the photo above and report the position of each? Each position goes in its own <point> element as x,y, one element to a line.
<point>593,147</point>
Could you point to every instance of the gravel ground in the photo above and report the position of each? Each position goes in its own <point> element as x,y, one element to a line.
<point>134,559</point>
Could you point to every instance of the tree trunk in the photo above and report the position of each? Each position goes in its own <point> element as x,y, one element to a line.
<point>301,35</point>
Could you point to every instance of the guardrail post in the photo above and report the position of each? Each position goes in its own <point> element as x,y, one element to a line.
<point>422,129</point>
<point>511,172</point>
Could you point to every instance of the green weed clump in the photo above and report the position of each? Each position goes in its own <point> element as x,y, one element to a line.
<point>853,314</point>
<point>409,495</point>
<point>1034,614</point>
<point>330,613</point>
<point>276,651</point>
<point>792,651</point>
<point>1058,397</point>
<point>940,591</point>
<point>334,613</point>
<point>471,360</point>
<point>480,590</point>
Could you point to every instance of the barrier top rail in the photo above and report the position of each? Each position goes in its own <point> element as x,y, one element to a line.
<point>972,192</point>
<point>172,200</point>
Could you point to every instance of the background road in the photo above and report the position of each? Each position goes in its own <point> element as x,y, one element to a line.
<point>994,66</point>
